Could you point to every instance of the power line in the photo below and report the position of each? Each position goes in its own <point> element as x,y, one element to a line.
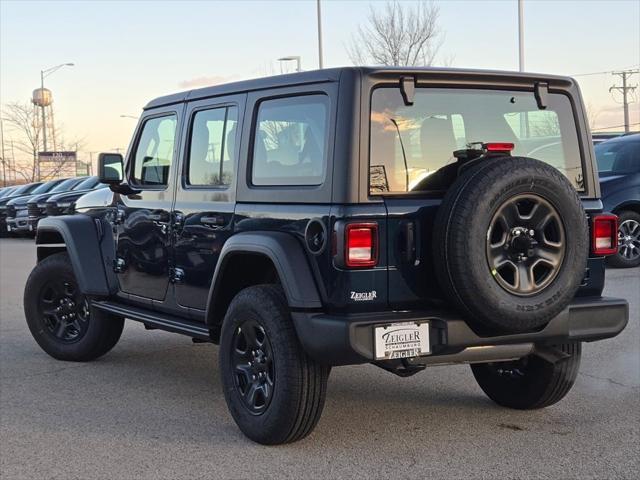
<point>601,73</point>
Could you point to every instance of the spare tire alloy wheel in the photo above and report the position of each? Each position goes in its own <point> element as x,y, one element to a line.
<point>525,244</point>
<point>510,244</point>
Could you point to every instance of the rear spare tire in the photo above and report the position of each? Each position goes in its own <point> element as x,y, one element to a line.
<point>510,243</point>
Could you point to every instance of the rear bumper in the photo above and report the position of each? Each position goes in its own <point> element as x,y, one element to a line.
<point>349,339</point>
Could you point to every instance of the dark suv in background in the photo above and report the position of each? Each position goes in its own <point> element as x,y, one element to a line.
<point>619,168</point>
<point>16,212</point>
<point>64,203</point>
<point>399,217</point>
<point>16,192</point>
<point>37,205</point>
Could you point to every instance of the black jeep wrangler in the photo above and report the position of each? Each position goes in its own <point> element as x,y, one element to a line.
<point>400,217</point>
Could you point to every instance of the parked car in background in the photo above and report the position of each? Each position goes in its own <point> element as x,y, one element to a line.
<point>17,217</point>
<point>37,204</point>
<point>598,138</point>
<point>17,192</point>
<point>4,191</point>
<point>64,203</point>
<point>619,166</point>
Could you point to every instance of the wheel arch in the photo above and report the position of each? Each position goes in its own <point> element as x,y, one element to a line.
<point>633,206</point>
<point>255,258</point>
<point>82,237</point>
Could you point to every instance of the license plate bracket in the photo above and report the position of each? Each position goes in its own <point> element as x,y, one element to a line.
<point>401,340</point>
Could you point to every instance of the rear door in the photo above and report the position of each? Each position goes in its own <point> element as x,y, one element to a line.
<point>412,162</point>
<point>205,194</point>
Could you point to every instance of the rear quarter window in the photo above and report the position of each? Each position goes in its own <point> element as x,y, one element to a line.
<point>290,141</point>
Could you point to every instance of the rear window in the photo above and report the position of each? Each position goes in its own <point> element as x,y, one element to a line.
<point>618,157</point>
<point>410,143</point>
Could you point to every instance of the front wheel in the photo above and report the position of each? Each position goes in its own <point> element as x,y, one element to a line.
<point>274,391</point>
<point>60,317</point>
<point>531,382</point>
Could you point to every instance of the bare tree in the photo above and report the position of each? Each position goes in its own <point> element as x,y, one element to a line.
<point>24,127</point>
<point>399,35</point>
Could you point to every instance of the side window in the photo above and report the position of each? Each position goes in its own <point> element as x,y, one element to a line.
<point>290,141</point>
<point>212,149</point>
<point>154,152</point>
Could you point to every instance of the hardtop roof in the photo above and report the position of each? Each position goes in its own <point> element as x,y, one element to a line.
<point>333,75</point>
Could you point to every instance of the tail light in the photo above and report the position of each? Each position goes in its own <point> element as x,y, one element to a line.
<point>604,234</point>
<point>498,147</point>
<point>361,245</point>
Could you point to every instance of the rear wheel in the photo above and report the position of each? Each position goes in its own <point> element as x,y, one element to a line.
<point>628,241</point>
<point>60,317</point>
<point>531,382</point>
<point>274,391</point>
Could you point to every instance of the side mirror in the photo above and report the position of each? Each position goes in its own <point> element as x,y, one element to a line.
<point>110,168</point>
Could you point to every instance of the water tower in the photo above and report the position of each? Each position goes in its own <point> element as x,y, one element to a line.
<point>42,99</point>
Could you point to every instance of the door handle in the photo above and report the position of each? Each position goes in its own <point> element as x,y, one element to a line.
<point>212,220</point>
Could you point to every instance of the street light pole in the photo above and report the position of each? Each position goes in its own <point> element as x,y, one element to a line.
<point>42,111</point>
<point>320,59</point>
<point>521,34</point>
<point>46,73</point>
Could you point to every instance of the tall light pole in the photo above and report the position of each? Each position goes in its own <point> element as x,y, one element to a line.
<point>43,74</point>
<point>320,60</point>
<point>291,58</point>
<point>521,34</point>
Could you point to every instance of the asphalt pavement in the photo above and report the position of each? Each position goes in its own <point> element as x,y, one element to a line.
<point>153,408</point>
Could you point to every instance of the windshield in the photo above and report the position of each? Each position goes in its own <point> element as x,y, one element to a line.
<point>87,184</point>
<point>618,157</point>
<point>410,143</point>
<point>23,189</point>
<point>6,192</point>
<point>45,187</point>
<point>67,185</point>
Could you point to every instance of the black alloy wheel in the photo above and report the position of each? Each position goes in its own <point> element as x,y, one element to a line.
<point>253,363</point>
<point>65,312</point>
<point>525,244</point>
<point>61,318</point>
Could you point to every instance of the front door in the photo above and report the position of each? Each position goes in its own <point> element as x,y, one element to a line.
<point>143,221</point>
<point>205,195</point>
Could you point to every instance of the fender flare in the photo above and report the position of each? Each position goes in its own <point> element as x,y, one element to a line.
<point>289,260</point>
<point>84,241</point>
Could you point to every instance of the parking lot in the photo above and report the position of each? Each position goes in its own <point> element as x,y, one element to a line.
<point>153,408</point>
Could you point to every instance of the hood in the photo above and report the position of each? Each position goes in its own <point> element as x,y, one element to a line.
<point>43,197</point>
<point>609,177</point>
<point>97,198</point>
<point>22,200</point>
<point>4,201</point>
<point>67,196</point>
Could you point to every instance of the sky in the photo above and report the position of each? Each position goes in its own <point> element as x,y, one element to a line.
<point>128,52</point>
